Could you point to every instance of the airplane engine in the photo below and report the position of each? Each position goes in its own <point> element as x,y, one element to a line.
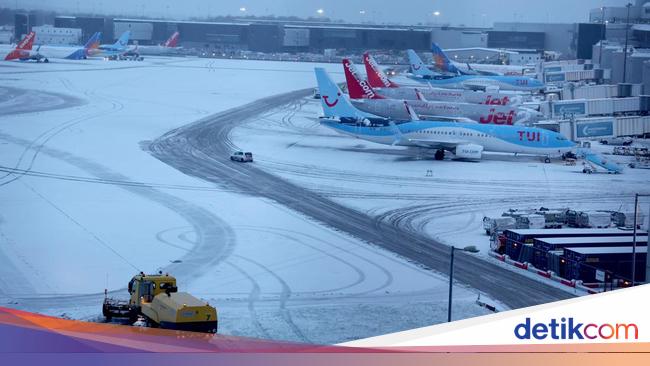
<point>469,151</point>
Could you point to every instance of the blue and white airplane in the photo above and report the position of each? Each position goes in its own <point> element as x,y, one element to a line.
<point>423,74</point>
<point>464,140</point>
<point>114,50</point>
<point>443,63</point>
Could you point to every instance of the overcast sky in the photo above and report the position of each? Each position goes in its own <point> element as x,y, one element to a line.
<point>468,12</point>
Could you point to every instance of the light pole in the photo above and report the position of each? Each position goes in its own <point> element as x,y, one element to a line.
<point>470,249</point>
<point>602,38</point>
<point>627,27</point>
<point>636,220</point>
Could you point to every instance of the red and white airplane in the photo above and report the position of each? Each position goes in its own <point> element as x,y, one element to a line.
<point>169,47</point>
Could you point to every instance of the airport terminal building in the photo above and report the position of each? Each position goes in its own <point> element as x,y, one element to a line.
<point>260,35</point>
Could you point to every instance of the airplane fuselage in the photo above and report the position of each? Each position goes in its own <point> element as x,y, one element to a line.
<point>481,113</point>
<point>450,95</point>
<point>493,138</point>
<point>515,83</point>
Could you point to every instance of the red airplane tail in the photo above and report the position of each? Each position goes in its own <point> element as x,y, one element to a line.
<point>376,77</point>
<point>172,41</point>
<point>27,42</point>
<point>22,48</point>
<point>357,87</point>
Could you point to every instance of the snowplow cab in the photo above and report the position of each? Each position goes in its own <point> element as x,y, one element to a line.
<point>157,298</point>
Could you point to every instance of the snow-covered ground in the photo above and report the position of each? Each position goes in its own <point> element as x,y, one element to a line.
<point>83,206</point>
<point>447,199</point>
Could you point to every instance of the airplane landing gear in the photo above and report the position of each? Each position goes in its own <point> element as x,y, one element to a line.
<point>440,154</point>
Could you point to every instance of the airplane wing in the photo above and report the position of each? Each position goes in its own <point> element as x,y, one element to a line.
<point>447,144</point>
<point>476,84</point>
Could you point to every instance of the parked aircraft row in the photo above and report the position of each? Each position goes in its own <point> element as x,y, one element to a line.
<point>465,140</point>
<point>389,88</point>
<point>24,49</point>
<point>422,74</point>
<point>458,105</point>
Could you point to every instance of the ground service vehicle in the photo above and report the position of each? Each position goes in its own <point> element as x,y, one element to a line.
<point>156,298</point>
<point>494,225</point>
<point>241,156</point>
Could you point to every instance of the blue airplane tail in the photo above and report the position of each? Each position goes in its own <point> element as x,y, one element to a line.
<point>93,41</point>
<point>82,53</point>
<point>441,61</point>
<point>123,41</point>
<point>418,67</point>
<point>333,101</point>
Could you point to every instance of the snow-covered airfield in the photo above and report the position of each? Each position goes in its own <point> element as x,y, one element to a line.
<point>85,205</point>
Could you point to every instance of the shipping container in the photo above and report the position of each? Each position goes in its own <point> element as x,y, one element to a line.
<point>518,237</point>
<point>582,263</point>
<point>542,246</point>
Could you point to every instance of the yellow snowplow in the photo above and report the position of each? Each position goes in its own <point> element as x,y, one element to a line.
<point>156,298</point>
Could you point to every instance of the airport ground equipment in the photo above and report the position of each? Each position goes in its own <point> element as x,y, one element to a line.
<point>593,161</point>
<point>241,156</point>
<point>594,219</point>
<point>494,225</point>
<point>156,298</point>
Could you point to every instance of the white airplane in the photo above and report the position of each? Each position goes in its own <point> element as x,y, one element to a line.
<point>464,140</point>
<point>170,46</point>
